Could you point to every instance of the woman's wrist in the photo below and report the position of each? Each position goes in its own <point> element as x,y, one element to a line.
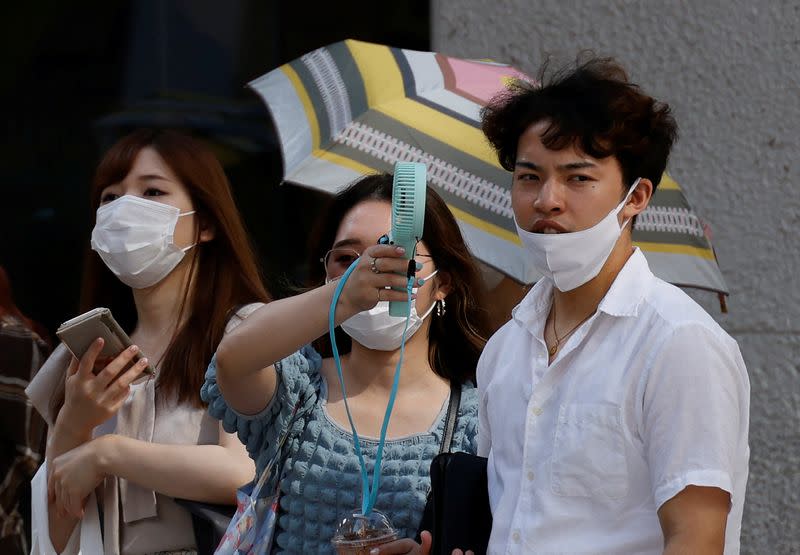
<point>344,308</point>
<point>67,433</point>
<point>106,453</point>
<point>73,421</point>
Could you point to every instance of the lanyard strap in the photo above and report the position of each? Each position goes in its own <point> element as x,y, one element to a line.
<point>369,494</point>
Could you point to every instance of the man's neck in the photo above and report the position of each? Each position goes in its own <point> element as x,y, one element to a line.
<point>577,304</point>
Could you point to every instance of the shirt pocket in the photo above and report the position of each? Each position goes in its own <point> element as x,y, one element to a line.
<point>589,452</point>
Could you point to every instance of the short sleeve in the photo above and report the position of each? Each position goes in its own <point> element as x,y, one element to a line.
<point>298,382</point>
<point>695,413</point>
<point>241,315</point>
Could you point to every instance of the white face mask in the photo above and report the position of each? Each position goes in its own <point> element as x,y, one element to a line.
<point>134,237</point>
<point>377,329</point>
<point>572,259</point>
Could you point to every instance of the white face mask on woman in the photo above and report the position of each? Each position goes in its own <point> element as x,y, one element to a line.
<point>572,259</point>
<point>134,237</point>
<point>377,329</point>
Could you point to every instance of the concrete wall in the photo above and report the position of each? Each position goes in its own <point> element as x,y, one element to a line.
<point>729,69</point>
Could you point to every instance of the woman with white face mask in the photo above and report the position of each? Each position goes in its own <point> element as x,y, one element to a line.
<point>172,260</point>
<point>266,366</point>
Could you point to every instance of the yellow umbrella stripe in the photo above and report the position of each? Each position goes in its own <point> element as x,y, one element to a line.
<point>386,94</point>
<point>490,228</point>
<point>673,248</point>
<point>442,127</point>
<point>344,161</point>
<point>305,100</point>
<point>382,78</point>
<point>667,183</point>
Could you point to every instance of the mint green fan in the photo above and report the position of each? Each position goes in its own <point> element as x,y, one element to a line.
<point>408,215</point>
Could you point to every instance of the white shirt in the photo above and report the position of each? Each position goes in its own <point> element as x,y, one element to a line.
<point>646,397</point>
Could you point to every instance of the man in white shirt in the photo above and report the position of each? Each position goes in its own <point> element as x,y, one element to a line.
<point>614,410</point>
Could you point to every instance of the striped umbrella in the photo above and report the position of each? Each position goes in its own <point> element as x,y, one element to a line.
<point>354,108</point>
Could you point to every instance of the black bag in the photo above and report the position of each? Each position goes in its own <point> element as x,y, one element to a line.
<point>209,522</point>
<point>462,518</point>
<point>457,512</point>
<point>426,523</point>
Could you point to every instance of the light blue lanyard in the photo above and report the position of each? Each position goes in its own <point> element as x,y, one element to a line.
<point>369,494</point>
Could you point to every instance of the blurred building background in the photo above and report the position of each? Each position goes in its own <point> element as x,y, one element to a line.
<point>729,70</point>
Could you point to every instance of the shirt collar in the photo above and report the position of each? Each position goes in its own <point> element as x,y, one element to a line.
<point>531,312</point>
<point>622,299</point>
<point>629,288</point>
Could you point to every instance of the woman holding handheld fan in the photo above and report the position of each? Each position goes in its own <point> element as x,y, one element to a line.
<point>267,367</point>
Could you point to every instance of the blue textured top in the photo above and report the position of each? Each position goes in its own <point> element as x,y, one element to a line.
<point>321,479</point>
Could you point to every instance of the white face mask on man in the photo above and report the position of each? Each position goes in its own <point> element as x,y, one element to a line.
<point>572,259</point>
<point>377,329</point>
<point>134,237</point>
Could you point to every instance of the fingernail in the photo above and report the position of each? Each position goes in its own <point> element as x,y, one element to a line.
<point>420,281</point>
<point>419,265</point>
<point>143,361</point>
<point>401,250</point>
<point>134,348</point>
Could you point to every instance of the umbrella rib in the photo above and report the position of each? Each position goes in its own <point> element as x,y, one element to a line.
<point>331,87</point>
<point>670,219</point>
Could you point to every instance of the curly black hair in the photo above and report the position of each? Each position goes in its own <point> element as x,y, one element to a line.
<point>592,105</point>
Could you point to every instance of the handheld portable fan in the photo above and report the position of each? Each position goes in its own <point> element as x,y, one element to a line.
<point>408,215</point>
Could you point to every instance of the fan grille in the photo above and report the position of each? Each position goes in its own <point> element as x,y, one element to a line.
<point>409,186</point>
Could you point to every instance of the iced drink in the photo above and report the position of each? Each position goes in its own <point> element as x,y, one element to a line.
<point>358,534</point>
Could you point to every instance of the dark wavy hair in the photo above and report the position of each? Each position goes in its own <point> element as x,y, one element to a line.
<point>592,105</point>
<point>455,338</point>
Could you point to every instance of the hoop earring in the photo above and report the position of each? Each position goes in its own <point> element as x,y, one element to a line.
<point>441,308</point>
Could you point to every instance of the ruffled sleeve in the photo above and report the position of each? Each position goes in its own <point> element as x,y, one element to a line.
<point>298,382</point>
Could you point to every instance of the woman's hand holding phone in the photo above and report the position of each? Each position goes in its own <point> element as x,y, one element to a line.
<point>91,399</point>
<point>94,392</point>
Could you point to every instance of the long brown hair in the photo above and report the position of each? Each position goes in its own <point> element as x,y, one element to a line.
<point>225,271</point>
<point>457,337</point>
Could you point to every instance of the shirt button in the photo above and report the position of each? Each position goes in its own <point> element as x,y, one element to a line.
<point>537,411</point>
<point>530,476</point>
<point>515,536</point>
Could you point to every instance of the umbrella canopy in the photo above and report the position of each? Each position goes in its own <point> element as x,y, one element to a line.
<point>354,108</point>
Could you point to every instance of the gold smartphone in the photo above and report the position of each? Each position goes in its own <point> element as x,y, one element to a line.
<point>80,332</point>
